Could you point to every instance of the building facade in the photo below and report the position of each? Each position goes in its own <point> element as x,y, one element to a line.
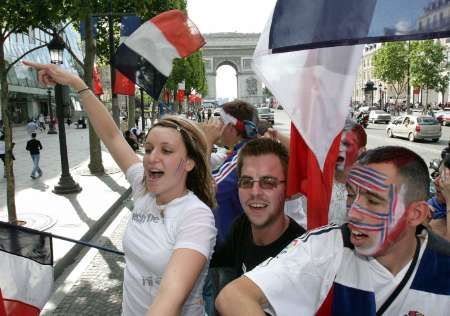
<point>27,98</point>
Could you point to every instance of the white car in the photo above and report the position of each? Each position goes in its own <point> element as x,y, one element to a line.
<point>376,116</point>
<point>415,127</point>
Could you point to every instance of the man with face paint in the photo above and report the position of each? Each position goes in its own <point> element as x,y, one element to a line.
<point>353,144</point>
<point>383,262</point>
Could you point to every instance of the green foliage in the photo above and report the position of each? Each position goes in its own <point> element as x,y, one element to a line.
<point>427,63</point>
<point>391,65</point>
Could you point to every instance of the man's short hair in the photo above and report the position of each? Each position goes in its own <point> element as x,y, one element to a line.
<point>263,146</point>
<point>242,111</point>
<point>33,135</point>
<point>411,167</point>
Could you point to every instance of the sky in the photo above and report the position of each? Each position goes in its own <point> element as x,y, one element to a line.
<point>242,16</point>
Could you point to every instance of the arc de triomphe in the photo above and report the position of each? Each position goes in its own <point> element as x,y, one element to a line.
<point>236,50</point>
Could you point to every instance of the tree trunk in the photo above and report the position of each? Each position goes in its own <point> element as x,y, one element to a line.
<point>95,150</point>
<point>131,111</point>
<point>6,116</point>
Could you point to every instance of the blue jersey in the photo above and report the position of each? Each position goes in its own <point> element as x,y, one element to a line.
<point>227,196</point>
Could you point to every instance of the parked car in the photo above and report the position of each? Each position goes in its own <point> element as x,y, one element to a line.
<point>415,127</point>
<point>376,116</point>
<point>443,117</point>
<point>266,114</point>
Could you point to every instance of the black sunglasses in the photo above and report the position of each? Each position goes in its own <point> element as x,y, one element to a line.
<point>266,182</point>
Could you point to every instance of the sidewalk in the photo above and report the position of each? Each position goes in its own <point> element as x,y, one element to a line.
<point>76,216</point>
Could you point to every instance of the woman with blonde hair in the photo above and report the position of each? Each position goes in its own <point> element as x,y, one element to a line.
<point>171,234</point>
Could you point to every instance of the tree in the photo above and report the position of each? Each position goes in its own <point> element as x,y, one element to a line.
<point>18,16</point>
<point>391,65</point>
<point>427,64</point>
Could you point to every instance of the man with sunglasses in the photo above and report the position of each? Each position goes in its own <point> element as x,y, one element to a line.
<point>263,230</point>
<point>383,262</point>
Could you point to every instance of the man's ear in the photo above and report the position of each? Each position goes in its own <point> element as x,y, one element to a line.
<point>418,212</point>
<point>190,164</point>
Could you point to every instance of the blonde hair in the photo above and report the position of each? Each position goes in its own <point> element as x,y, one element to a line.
<point>199,179</point>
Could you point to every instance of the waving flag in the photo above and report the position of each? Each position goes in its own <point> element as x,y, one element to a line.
<point>98,87</point>
<point>146,56</point>
<point>313,80</point>
<point>26,269</point>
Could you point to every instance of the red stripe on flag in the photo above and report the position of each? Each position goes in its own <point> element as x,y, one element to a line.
<point>309,180</point>
<point>2,305</point>
<point>179,31</point>
<point>17,308</point>
<point>326,307</point>
<point>123,85</point>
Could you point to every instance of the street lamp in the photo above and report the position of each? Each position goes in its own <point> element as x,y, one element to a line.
<point>66,183</point>
<point>51,126</point>
<point>142,110</point>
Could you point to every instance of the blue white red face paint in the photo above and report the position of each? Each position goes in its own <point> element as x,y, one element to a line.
<point>380,222</point>
<point>180,167</point>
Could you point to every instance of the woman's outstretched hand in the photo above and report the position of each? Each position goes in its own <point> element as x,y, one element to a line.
<point>51,74</point>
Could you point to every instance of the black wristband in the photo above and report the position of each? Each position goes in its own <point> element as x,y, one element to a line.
<point>82,90</point>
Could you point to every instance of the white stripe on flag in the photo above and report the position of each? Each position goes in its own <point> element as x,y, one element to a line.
<point>149,42</point>
<point>314,87</point>
<point>25,280</point>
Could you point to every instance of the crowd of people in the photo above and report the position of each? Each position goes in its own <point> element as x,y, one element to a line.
<point>209,228</point>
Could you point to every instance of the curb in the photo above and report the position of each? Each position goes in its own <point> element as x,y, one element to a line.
<point>71,255</point>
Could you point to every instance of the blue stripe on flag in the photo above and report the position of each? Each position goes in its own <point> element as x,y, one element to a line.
<point>129,24</point>
<point>139,70</point>
<point>305,24</point>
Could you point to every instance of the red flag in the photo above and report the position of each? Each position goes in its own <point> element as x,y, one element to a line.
<point>123,85</point>
<point>310,180</point>
<point>98,88</point>
<point>180,96</point>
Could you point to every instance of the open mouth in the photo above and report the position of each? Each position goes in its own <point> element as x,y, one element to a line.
<point>357,235</point>
<point>257,206</point>
<point>155,174</point>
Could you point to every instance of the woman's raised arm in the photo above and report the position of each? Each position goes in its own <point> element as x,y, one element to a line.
<point>99,116</point>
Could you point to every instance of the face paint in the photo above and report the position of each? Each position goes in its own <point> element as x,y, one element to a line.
<point>180,167</point>
<point>348,150</point>
<point>382,228</point>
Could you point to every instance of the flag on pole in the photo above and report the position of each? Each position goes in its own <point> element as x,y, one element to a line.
<point>122,85</point>
<point>26,269</point>
<point>146,56</point>
<point>2,305</point>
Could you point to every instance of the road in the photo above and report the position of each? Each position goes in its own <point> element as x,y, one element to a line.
<point>376,136</point>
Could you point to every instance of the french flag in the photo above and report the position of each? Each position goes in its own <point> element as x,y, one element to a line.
<point>26,270</point>
<point>146,56</point>
<point>304,57</point>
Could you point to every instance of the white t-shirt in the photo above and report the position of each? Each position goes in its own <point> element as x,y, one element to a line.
<point>150,239</point>
<point>2,147</point>
<point>298,280</point>
<point>337,213</point>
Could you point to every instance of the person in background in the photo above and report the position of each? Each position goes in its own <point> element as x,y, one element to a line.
<point>31,127</point>
<point>34,146</point>
<point>439,203</point>
<point>380,263</point>
<point>170,236</point>
<point>353,144</point>
<point>131,141</point>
